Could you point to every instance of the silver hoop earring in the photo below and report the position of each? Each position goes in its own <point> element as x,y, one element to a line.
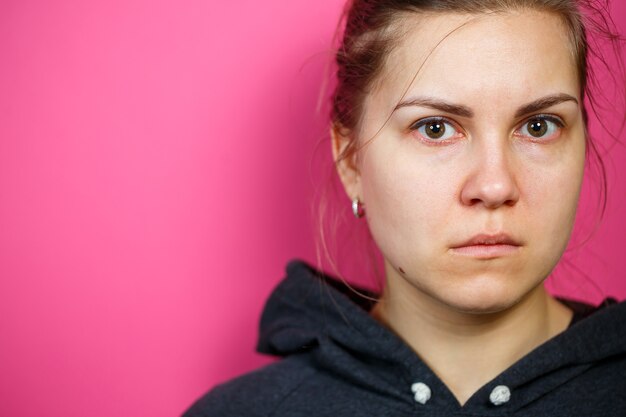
<point>357,208</point>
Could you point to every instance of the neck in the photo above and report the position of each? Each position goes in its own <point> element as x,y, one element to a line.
<point>466,350</point>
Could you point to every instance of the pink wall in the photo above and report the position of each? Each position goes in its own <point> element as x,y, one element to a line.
<point>154,180</point>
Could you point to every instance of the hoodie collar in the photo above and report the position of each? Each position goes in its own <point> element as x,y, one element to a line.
<point>313,311</point>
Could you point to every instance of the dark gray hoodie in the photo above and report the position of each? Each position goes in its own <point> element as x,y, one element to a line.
<point>338,361</point>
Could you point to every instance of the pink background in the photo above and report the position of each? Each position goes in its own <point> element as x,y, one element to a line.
<point>156,175</point>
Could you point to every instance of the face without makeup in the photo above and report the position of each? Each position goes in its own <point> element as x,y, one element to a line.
<point>487,138</point>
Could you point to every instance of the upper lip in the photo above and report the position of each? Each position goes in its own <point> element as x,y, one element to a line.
<point>489,239</point>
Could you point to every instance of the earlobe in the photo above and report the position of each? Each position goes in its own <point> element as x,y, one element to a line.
<point>347,166</point>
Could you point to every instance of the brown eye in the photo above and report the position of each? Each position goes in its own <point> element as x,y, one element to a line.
<point>537,127</point>
<point>542,127</point>
<point>435,130</point>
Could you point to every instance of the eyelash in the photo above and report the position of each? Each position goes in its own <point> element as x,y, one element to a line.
<point>430,120</point>
<point>544,117</point>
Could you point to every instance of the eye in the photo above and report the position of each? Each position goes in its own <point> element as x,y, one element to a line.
<point>541,127</point>
<point>434,129</point>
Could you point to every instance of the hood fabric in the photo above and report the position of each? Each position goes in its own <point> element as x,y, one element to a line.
<point>336,360</point>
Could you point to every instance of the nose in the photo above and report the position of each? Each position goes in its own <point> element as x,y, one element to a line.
<point>492,178</point>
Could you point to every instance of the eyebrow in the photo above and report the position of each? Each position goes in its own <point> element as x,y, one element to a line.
<point>441,105</point>
<point>464,111</point>
<point>544,103</point>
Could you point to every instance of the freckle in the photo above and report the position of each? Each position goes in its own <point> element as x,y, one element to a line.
<point>401,270</point>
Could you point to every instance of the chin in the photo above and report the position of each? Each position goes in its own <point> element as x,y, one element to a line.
<point>481,306</point>
<point>482,297</point>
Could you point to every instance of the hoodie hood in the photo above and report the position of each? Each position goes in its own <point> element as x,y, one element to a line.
<point>313,313</point>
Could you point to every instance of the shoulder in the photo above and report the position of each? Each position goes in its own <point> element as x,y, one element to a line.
<point>255,394</point>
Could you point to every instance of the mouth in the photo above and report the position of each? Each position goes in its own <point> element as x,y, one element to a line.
<point>487,246</point>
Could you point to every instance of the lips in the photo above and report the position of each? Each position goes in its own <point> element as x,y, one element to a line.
<point>488,246</point>
<point>489,239</point>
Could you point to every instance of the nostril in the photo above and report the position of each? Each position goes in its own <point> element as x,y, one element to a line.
<point>490,188</point>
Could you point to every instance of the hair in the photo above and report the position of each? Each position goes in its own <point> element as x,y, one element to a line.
<point>370,29</point>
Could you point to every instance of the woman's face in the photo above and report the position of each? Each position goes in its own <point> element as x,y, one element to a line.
<point>489,138</point>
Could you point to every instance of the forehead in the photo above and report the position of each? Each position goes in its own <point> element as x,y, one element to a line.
<point>517,55</point>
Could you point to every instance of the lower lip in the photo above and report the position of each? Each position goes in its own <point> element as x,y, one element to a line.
<point>486,251</point>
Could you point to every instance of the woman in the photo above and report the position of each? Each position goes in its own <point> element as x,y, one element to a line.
<point>459,134</point>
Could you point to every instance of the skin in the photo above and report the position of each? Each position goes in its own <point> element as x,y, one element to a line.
<point>423,196</point>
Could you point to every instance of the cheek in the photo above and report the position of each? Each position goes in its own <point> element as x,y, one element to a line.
<point>407,202</point>
<point>551,198</point>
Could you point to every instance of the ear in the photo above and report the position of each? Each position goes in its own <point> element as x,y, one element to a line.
<point>347,168</point>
